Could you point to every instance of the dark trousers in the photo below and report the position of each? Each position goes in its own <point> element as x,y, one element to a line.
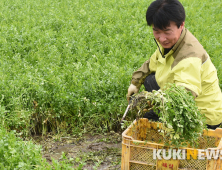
<point>150,84</point>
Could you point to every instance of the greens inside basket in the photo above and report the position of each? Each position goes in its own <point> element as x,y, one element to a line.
<point>181,120</point>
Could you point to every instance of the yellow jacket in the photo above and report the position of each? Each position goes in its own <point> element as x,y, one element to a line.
<point>189,65</point>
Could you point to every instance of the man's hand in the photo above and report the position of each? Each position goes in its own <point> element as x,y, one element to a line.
<point>132,90</point>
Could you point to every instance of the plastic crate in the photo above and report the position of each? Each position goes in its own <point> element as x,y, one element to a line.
<point>142,137</point>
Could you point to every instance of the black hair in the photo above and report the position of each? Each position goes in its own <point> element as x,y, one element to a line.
<point>161,12</point>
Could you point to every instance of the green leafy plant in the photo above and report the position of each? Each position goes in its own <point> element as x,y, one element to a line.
<point>18,154</point>
<point>181,120</point>
<point>72,61</point>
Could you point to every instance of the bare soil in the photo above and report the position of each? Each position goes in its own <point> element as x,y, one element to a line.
<point>90,151</point>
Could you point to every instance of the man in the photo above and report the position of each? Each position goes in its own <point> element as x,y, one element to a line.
<point>179,59</point>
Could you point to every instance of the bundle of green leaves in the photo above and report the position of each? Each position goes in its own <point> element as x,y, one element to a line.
<point>182,122</point>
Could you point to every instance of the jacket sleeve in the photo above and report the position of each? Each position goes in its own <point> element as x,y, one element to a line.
<point>148,67</point>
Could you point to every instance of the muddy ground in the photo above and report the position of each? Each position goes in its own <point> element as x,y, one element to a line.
<point>90,151</point>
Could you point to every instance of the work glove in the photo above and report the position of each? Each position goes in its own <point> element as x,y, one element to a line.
<point>132,90</point>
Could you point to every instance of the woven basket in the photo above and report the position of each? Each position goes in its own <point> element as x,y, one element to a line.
<point>142,137</point>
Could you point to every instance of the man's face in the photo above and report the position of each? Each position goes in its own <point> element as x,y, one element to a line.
<point>168,36</point>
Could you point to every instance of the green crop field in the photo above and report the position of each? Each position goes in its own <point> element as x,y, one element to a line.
<point>67,64</point>
<point>72,61</point>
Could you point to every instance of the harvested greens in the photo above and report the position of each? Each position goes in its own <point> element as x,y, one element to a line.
<point>182,122</point>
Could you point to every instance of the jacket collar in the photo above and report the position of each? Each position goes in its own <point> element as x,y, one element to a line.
<point>180,39</point>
